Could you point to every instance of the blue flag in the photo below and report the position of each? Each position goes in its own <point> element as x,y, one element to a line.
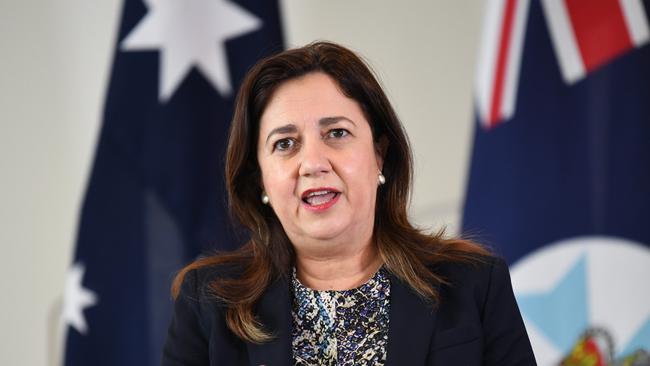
<point>560,174</point>
<point>156,197</point>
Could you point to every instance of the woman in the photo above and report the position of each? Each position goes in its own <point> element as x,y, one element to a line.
<point>319,171</point>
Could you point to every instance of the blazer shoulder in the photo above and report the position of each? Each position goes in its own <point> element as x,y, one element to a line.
<point>476,275</point>
<point>195,314</point>
<point>467,287</point>
<point>197,308</point>
<point>197,282</point>
<point>478,310</point>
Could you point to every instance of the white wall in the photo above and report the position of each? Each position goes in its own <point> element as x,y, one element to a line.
<point>54,62</point>
<point>54,57</point>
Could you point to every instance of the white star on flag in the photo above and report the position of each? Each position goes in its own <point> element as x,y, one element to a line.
<point>76,299</point>
<point>190,33</point>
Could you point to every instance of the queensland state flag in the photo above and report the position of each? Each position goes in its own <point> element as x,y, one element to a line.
<point>560,174</point>
<point>155,199</point>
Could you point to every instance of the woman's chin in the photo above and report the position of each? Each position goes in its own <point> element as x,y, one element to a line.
<point>325,230</point>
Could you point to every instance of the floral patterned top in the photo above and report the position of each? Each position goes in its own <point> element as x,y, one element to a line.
<point>337,328</point>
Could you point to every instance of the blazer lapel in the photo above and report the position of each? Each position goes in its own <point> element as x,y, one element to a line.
<point>274,312</point>
<point>410,327</point>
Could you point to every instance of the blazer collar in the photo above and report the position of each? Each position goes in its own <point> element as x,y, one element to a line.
<point>410,327</point>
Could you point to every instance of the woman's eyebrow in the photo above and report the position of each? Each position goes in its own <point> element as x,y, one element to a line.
<point>326,121</point>
<point>290,128</point>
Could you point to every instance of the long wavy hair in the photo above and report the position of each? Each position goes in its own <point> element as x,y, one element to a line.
<point>408,253</point>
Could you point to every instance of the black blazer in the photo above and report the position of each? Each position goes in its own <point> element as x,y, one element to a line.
<point>477,322</point>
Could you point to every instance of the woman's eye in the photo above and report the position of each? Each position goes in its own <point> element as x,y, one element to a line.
<point>337,133</point>
<point>284,144</point>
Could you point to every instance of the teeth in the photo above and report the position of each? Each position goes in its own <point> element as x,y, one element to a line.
<point>318,193</point>
<point>320,199</point>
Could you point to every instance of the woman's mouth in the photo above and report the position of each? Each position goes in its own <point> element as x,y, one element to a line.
<point>320,199</point>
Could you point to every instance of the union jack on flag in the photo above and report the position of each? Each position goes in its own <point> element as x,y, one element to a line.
<point>585,34</point>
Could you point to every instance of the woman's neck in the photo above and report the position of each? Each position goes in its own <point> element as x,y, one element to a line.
<point>338,272</point>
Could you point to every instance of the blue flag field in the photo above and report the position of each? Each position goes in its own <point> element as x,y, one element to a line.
<point>560,173</point>
<point>155,198</point>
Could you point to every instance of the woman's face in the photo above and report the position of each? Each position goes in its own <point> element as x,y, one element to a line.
<point>319,162</point>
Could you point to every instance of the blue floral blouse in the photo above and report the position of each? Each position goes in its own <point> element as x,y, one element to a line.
<point>347,327</point>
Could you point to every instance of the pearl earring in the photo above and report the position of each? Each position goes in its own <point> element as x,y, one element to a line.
<point>265,198</point>
<point>381,179</point>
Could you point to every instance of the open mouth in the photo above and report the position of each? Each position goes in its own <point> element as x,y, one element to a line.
<point>320,198</point>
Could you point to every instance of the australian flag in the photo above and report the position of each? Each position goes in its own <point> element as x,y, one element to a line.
<point>560,173</point>
<point>155,199</point>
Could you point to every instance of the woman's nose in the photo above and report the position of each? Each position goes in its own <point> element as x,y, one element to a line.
<point>314,159</point>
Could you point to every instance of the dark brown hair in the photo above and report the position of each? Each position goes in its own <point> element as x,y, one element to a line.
<point>408,252</point>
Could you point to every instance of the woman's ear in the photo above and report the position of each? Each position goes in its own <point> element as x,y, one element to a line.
<point>381,146</point>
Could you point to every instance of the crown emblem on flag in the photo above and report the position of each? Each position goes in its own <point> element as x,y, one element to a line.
<point>595,347</point>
